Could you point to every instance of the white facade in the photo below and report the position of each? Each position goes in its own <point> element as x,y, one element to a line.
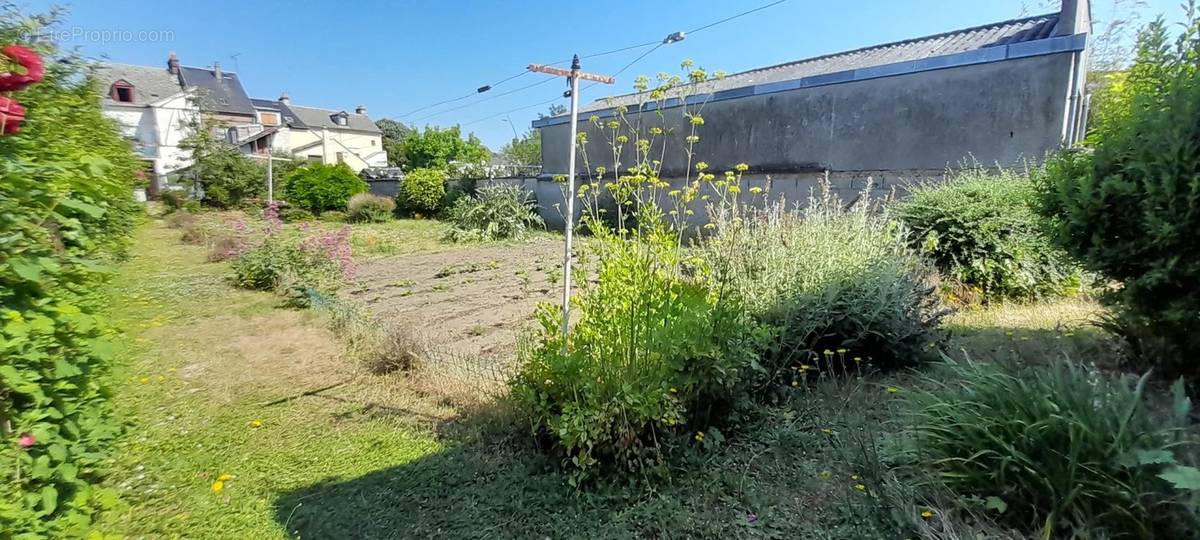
<point>157,129</point>
<point>357,149</point>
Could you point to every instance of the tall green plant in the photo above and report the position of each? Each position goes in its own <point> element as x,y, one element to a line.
<point>225,176</point>
<point>1129,209</point>
<point>65,210</point>
<point>317,187</point>
<point>494,213</point>
<point>1060,451</point>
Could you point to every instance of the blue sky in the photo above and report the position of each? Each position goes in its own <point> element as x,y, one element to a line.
<point>397,56</point>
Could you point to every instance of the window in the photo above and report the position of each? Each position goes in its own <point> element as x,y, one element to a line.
<point>372,142</point>
<point>341,119</point>
<point>268,118</point>
<point>121,92</point>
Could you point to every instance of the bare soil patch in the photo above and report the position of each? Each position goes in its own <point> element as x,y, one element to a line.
<point>470,301</point>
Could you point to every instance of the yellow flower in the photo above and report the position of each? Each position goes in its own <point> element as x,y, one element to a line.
<point>700,436</point>
<point>742,167</point>
<point>892,390</point>
<point>144,380</point>
<point>860,487</point>
<point>842,351</point>
<point>825,475</point>
<point>927,514</point>
<point>674,390</point>
<point>756,190</point>
<point>218,486</point>
<point>225,477</point>
<point>827,431</point>
<point>256,424</point>
<point>854,477</point>
<point>795,383</point>
<point>805,367</point>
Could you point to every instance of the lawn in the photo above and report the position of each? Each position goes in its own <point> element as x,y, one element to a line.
<point>214,382</point>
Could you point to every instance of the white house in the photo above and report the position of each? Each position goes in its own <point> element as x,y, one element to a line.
<point>155,107</point>
<point>323,135</point>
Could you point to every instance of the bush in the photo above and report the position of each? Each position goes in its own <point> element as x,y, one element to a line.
<point>292,214</point>
<point>293,267</point>
<point>66,180</point>
<point>1130,209</point>
<point>422,191</point>
<point>830,281</point>
<point>317,187</point>
<point>173,199</point>
<point>495,213</point>
<point>367,208</point>
<point>1060,451</point>
<point>228,177</point>
<point>981,231</point>
<point>652,353</point>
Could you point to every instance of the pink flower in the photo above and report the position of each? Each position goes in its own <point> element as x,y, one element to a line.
<point>26,440</point>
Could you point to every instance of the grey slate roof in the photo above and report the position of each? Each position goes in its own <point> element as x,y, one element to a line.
<point>225,95</point>
<point>290,118</point>
<point>150,84</point>
<point>958,41</point>
<point>318,118</point>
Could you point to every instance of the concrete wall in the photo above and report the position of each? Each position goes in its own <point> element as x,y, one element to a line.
<point>999,112</point>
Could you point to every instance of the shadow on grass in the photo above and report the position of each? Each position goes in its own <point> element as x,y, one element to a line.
<point>769,485</point>
<point>1035,346</point>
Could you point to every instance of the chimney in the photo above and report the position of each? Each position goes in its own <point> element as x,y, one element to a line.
<point>284,99</point>
<point>217,70</point>
<point>173,63</point>
<point>1075,18</point>
<point>361,109</point>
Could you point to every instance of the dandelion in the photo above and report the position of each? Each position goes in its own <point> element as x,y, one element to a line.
<point>854,477</point>
<point>256,424</point>
<point>699,436</point>
<point>892,390</point>
<point>860,487</point>
<point>144,380</point>
<point>218,486</point>
<point>927,514</point>
<point>225,477</point>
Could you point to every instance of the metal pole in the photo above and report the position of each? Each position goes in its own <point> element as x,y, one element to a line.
<point>570,217</point>
<point>270,177</point>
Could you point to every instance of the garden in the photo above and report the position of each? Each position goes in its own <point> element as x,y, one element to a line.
<point>1008,353</point>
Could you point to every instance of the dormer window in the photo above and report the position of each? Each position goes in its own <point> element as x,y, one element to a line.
<point>121,92</point>
<point>341,119</point>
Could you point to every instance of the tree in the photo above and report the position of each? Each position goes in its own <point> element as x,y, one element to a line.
<point>394,134</point>
<point>317,187</point>
<point>437,148</point>
<point>225,176</point>
<point>525,151</point>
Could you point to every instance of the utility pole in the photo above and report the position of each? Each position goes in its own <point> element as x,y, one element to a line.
<point>573,76</point>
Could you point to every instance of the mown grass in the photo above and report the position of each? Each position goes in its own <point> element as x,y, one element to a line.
<point>370,458</point>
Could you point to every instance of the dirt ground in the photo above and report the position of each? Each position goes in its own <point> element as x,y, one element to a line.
<point>472,300</point>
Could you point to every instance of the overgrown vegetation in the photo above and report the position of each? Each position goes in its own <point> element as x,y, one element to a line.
<point>1063,451</point>
<point>494,213</point>
<point>223,175</point>
<point>293,266</point>
<point>981,230</point>
<point>1128,207</point>
<point>317,187</point>
<point>422,192</point>
<point>65,196</point>
<point>367,208</point>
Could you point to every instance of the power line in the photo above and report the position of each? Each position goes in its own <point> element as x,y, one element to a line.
<point>489,98</point>
<point>672,38</point>
<point>478,91</point>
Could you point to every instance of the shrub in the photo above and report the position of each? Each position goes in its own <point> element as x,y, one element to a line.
<point>652,353</point>
<point>1060,450</point>
<point>1130,209</point>
<point>66,181</point>
<point>295,267</point>
<point>228,177</point>
<point>333,216</point>
<point>422,191</point>
<point>292,214</point>
<point>830,281</point>
<point>368,208</point>
<point>981,231</point>
<point>317,187</point>
<point>495,213</point>
<point>173,199</point>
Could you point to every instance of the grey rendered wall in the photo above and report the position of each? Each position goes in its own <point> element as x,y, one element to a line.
<point>1000,112</point>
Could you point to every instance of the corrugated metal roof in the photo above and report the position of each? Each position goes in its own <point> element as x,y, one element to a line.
<point>225,95</point>
<point>150,84</point>
<point>958,41</point>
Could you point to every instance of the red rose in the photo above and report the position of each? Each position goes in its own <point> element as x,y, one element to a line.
<point>34,69</point>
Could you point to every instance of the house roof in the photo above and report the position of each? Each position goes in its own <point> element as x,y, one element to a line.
<point>323,118</point>
<point>225,95</point>
<point>959,41</point>
<point>290,118</point>
<point>150,84</point>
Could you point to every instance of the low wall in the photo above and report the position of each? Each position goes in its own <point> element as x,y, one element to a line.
<point>795,188</point>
